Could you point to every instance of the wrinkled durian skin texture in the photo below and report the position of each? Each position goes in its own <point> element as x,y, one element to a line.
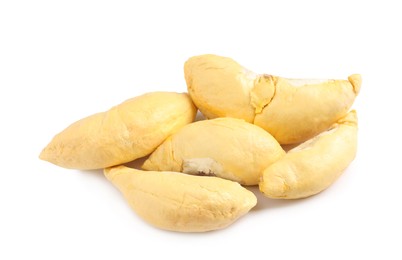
<point>126,132</point>
<point>314,165</point>
<point>180,202</point>
<point>240,150</point>
<point>291,110</point>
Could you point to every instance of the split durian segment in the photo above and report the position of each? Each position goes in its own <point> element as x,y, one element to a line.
<point>292,110</point>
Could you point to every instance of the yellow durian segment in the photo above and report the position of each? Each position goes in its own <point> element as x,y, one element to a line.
<point>315,164</point>
<point>225,147</point>
<point>126,132</point>
<point>292,110</point>
<point>180,202</point>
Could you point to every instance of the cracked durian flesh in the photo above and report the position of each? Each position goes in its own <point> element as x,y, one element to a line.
<point>292,110</point>
<point>225,147</point>
<point>128,131</point>
<point>315,164</point>
<point>180,202</point>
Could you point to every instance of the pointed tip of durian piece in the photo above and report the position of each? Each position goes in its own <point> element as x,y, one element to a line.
<point>356,81</point>
<point>111,172</point>
<point>349,119</point>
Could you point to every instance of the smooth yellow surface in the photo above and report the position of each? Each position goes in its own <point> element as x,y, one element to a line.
<point>298,113</point>
<point>292,110</point>
<point>126,132</point>
<point>314,165</point>
<point>225,147</point>
<point>181,202</point>
<point>219,87</point>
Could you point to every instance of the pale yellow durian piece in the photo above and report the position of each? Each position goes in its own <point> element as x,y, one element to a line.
<point>301,109</point>
<point>128,131</point>
<point>315,164</point>
<point>220,87</point>
<point>292,110</point>
<point>180,202</point>
<point>224,147</point>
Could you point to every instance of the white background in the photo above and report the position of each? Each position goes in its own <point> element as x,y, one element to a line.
<point>63,60</point>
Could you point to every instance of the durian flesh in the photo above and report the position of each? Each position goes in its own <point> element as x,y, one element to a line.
<point>315,164</point>
<point>128,131</point>
<point>225,147</point>
<point>292,110</point>
<point>180,202</point>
